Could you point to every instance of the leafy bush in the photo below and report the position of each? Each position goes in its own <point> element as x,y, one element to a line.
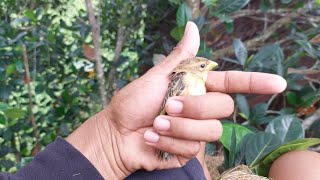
<point>279,37</point>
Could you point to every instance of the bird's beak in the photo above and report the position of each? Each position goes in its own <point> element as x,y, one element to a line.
<point>212,65</point>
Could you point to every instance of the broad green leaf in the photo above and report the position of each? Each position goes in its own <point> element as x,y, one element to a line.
<point>243,105</point>
<point>14,113</point>
<point>240,131</point>
<point>184,14</point>
<point>241,150</point>
<point>230,6</point>
<point>240,51</point>
<point>287,128</point>
<point>269,58</point>
<point>177,33</point>
<point>300,144</point>
<point>259,146</point>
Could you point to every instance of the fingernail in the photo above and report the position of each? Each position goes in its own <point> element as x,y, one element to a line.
<point>151,136</point>
<point>174,106</point>
<point>161,124</point>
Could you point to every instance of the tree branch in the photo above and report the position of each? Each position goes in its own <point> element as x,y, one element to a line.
<point>98,59</point>
<point>37,147</point>
<point>122,35</point>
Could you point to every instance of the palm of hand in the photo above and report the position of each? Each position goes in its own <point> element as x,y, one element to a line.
<point>138,104</point>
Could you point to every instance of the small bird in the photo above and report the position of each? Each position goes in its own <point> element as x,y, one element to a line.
<point>188,78</point>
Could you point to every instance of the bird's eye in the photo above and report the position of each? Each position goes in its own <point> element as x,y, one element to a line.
<point>203,65</point>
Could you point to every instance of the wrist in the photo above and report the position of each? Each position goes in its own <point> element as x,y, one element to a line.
<point>96,141</point>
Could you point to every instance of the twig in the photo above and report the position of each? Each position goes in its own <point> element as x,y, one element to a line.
<point>303,71</point>
<point>271,100</point>
<point>28,81</point>
<point>255,41</point>
<point>122,35</point>
<point>98,58</point>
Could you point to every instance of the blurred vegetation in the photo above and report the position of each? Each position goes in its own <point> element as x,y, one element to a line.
<point>274,36</point>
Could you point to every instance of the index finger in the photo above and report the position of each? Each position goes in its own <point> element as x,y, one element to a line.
<point>245,82</point>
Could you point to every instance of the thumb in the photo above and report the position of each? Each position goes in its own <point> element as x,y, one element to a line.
<point>187,48</point>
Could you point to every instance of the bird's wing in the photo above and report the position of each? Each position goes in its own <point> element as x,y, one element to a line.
<point>176,88</point>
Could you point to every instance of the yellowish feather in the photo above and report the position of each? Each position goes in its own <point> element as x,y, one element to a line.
<point>188,78</point>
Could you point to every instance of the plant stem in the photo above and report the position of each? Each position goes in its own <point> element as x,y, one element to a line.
<point>98,59</point>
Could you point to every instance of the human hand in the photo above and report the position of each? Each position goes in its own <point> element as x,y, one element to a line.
<point>128,134</point>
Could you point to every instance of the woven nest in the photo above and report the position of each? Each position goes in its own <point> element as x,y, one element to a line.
<point>241,172</point>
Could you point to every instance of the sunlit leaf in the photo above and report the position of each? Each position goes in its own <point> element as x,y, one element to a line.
<point>14,113</point>
<point>240,132</point>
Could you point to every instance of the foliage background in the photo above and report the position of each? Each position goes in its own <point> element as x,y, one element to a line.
<point>275,36</point>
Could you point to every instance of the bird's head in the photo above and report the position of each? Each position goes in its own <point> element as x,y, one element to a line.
<point>197,64</point>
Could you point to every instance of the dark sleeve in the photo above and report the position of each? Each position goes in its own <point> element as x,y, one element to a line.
<point>61,161</point>
<point>191,171</point>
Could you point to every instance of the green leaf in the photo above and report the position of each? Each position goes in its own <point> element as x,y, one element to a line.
<point>19,66</point>
<point>3,119</point>
<point>292,98</point>
<point>229,26</point>
<point>240,131</point>
<point>10,69</point>
<point>14,113</point>
<point>240,51</point>
<point>300,144</point>
<point>259,146</point>
<point>177,33</point>
<point>241,150</point>
<point>5,91</point>
<point>286,1</point>
<point>307,47</point>
<point>269,58</point>
<point>233,148</point>
<point>230,6</point>
<point>30,14</point>
<point>183,15</point>
<point>243,105</point>
<point>3,106</point>
<point>287,128</point>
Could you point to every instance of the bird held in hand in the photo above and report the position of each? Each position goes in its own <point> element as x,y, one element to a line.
<point>188,78</point>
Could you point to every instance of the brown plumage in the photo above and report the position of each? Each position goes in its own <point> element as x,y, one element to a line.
<point>188,78</point>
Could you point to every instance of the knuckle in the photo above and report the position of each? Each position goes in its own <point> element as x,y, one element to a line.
<point>195,148</point>
<point>215,131</point>
<point>229,108</point>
